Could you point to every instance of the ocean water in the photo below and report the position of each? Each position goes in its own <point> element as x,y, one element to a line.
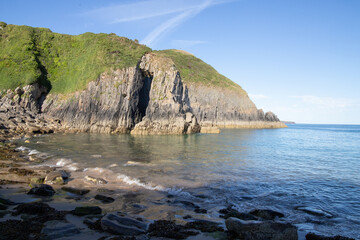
<point>316,167</point>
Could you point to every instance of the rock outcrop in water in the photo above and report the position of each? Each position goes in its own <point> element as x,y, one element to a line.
<point>152,97</point>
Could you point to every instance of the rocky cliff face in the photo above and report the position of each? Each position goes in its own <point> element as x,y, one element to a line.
<point>149,98</point>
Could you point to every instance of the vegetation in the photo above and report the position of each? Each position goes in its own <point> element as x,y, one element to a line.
<point>66,63</point>
<point>194,70</point>
<point>63,63</point>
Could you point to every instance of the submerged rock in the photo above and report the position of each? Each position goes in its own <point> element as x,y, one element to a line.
<point>104,199</point>
<point>168,229</point>
<point>42,190</point>
<point>315,211</point>
<point>204,226</point>
<point>59,229</point>
<point>77,191</point>
<point>122,225</point>
<point>82,211</point>
<point>231,212</point>
<point>255,230</point>
<point>313,236</point>
<point>266,214</point>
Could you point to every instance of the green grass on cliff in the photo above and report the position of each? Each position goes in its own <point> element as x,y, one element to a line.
<point>65,63</point>
<point>194,70</point>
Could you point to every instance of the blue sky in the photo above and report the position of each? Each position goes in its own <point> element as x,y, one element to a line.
<point>297,58</point>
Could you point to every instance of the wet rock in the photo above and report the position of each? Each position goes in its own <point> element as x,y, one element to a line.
<point>187,203</point>
<point>59,229</point>
<point>6,201</point>
<point>255,230</point>
<point>20,230</point>
<point>122,225</point>
<point>82,211</point>
<point>266,214</point>
<point>168,229</point>
<point>56,177</point>
<point>187,217</point>
<point>313,236</point>
<point>21,171</point>
<point>42,190</point>
<point>204,226</point>
<point>77,191</point>
<point>37,208</point>
<point>230,212</point>
<point>200,210</point>
<point>3,206</point>
<point>315,211</point>
<point>97,181</point>
<point>3,213</point>
<point>37,180</point>
<point>93,222</point>
<point>104,199</point>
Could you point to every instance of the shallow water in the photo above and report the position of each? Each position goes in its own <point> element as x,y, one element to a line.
<point>315,166</point>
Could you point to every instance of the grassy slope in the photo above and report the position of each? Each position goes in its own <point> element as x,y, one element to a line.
<point>65,63</point>
<point>194,70</point>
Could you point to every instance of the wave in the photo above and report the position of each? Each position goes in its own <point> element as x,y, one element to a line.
<point>63,162</point>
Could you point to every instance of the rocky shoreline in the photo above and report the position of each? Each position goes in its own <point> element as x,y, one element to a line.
<point>48,202</point>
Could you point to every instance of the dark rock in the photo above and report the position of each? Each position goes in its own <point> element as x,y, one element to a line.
<point>266,214</point>
<point>230,212</point>
<point>313,236</point>
<point>36,208</point>
<point>77,191</point>
<point>187,204</point>
<point>104,199</point>
<point>3,207</point>
<point>204,226</point>
<point>168,229</point>
<point>122,225</point>
<point>255,230</point>
<point>187,217</point>
<point>42,190</point>
<point>19,230</point>
<point>93,222</point>
<point>6,201</point>
<point>82,211</point>
<point>59,229</point>
<point>200,210</point>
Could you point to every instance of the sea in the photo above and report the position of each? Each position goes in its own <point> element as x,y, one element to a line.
<point>308,172</point>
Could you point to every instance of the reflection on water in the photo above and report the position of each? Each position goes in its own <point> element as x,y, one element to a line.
<point>304,165</point>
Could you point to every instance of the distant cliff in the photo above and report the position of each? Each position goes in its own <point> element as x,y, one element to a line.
<point>105,83</point>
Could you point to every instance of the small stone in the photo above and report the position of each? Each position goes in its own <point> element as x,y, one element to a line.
<point>97,181</point>
<point>42,190</point>
<point>104,199</point>
<point>82,211</point>
<point>27,141</point>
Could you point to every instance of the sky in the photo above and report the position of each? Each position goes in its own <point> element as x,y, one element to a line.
<point>297,58</point>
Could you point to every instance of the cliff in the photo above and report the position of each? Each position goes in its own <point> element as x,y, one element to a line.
<point>105,83</point>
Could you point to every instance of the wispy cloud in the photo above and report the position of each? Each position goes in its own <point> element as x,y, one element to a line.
<point>328,102</point>
<point>179,11</point>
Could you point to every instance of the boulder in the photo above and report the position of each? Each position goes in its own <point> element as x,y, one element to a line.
<point>255,230</point>
<point>56,177</point>
<point>36,208</point>
<point>204,226</point>
<point>122,225</point>
<point>231,212</point>
<point>42,190</point>
<point>313,236</point>
<point>168,229</point>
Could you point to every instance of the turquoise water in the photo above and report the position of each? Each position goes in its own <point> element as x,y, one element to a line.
<point>313,166</point>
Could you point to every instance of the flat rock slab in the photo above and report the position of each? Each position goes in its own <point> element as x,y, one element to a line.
<point>256,230</point>
<point>59,229</point>
<point>122,225</point>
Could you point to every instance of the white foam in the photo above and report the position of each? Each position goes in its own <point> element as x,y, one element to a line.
<point>132,163</point>
<point>96,156</point>
<point>72,167</point>
<point>96,169</point>
<point>113,165</point>
<point>33,152</point>
<point>63,162</point>
<point>22,148</point>
<point>135,181</point>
